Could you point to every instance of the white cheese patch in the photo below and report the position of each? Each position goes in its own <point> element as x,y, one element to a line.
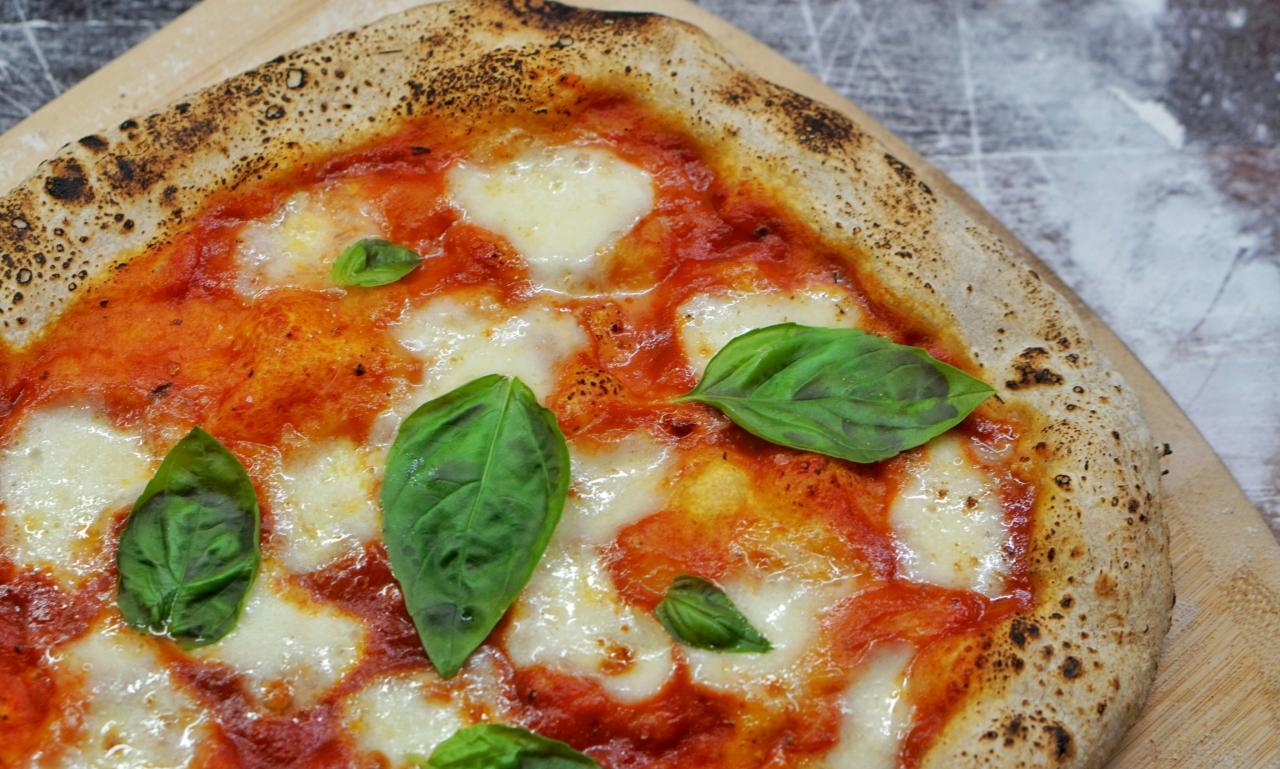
<point>570,617</point>
<point>401,714</point>
<point>134,716</point>
<point>290,648</point>
<point>949,524</point>
<point>707,322</point>
<point>786,610</point>
<point>561,208</point>
<point>614,486</point>
<point>324,503</point>
<point>63,469</point>
<point>296,245</point>
<point>875,712</point>
<point>466,335</point>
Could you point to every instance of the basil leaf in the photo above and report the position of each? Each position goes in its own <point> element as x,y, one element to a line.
<point>475,484</point>
<point>840,392</point>
<point>373,262</point>
<point>697,613</point>
<point>494,746</point>
<point>189,550</point>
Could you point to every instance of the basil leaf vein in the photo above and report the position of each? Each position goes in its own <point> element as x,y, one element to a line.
<point>696,612</point>
<point>840,392</point>
<point>189,550</point>
<point>373,262</point>
<point>475,484</point>
<point>495,746</point>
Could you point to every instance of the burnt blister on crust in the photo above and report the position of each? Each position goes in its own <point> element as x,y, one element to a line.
<point>67,182</point>
<point>1030,371</point>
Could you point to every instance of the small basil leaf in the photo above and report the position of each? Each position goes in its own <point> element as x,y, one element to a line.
<point>840,392</point>
<point>494,746</point>
<point>189,550</point>
<point>373,262</point>
<point>697,613</point>
<point>475,484</point>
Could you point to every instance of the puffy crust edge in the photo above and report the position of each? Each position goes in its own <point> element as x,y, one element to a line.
<point>1056,687</point>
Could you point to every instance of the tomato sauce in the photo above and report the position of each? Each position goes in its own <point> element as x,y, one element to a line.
<point>185,348</point>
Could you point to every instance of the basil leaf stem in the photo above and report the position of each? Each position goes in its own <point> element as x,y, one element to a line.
<point>373,262</point>
<point>840,392</point>
<point>495,746</point>
<point>696,612</point>
<point>189,550</point>
<point>475,484</point>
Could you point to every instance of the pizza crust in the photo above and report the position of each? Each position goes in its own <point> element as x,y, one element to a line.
<point>1056,687</point>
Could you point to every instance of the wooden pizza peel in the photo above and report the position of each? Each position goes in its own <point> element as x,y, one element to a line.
<point>1216,702</point>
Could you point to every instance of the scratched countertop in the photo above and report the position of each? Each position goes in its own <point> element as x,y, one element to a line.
<point>1130,143</point>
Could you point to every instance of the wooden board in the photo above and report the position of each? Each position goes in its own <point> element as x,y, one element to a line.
<point>1217,699</point>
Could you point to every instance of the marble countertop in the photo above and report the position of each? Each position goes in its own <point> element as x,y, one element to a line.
<point>1130,143</point>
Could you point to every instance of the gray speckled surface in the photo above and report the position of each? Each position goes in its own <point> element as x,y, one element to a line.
<point>1130,143</point>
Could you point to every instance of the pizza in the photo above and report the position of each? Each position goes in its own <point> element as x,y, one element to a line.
<point>513,385</point>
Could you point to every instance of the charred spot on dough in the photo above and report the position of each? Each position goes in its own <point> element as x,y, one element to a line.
<point>68,183</point>
<point>1013,730</point>
<point>1061,744</point>
<point>1020,630</point>
<point>1072,668</point>
<point>900,168</point>
<point>93,143</point>
<point>819,129</point>
<point>739,88</point>
<point>125,174</point>
<point>1029,370</point>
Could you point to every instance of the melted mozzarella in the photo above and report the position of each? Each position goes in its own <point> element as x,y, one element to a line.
<point>707,322</point>
<point>296,245</point>
<point>875,712</point>
<point>571,617</point>
<point>58,475</point>
<point>786,610</point>
<point>134,717</point>
<point>613,487</point>
<point>289,648</point>
<point>401,714</point>
<point>949,523</point>
<point>324,504</point>
<point>467,335</point>
<point>560,208</point>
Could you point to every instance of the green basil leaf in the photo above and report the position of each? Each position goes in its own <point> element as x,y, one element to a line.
<point>475,484</point>
<point>373,262</point>
<point>697,613</point>
<point>189,550</point>
<point>840,392</point>
<point>494,746</point>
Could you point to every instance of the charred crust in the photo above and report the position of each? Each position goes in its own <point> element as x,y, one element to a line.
<point>1061,745</point>
<point>903,170</point>
<point>67,183</point>
<point>1021,630</point>
<point>817,128</point>
<point>1029,370</point>
<point>94,143</point>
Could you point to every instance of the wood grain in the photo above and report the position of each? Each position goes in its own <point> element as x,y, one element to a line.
<point>1217,698</point>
